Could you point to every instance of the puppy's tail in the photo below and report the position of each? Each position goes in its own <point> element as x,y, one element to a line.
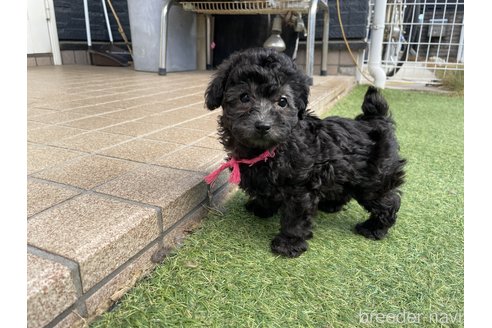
<point>374,105</point>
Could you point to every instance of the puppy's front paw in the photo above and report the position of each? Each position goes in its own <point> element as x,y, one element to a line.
<point>288,246</point>
<point>370,232</point>
<point>253,206</point>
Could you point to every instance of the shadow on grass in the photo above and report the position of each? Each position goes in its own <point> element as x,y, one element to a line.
<point>340,224</point>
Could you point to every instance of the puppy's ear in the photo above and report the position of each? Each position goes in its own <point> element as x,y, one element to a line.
<point>215,90</point>
<point>301,89</point>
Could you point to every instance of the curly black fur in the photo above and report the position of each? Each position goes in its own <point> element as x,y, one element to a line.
<point>319,164</point>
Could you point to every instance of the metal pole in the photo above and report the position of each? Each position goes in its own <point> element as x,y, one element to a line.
<point>310,37</point>
<point>326,32</point>
<point>376,48</point>
<point>461,47</point>
<point>87,24</point>
<point>208,42</point>
<point>163,47</point>
<point>105,10</point>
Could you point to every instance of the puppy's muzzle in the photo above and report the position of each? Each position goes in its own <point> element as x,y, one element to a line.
<point>262,128</point>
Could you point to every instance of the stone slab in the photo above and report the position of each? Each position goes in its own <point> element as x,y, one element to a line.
<point>40,157</point>
<point>50,290</point>
<point>175,191</point>
<point>140,150</point>
<point>88,171</point>
<point>42,195</point>
<point>95,231</point>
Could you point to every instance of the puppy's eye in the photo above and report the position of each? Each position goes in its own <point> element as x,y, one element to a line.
<point>282,102</point>
<point>244,98</point>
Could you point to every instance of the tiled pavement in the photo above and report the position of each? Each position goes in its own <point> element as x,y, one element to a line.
<point>116,160</point>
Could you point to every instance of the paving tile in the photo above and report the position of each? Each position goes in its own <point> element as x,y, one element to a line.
<point>93,93</point>
<point>97,109</point>
<point>136,96</point>
<point>91,141</point>
<point>41,195</point>
<point>164,119</point>
<point>176,191</point>
<point>110,97</point>
<point>40,157</point>
<point>173,117</point>
<point>97,232</point>
<point>185,89</point>
<point>92,123</point>
<point>59,117</point>
<point>211,141</point>
<point>205,124</point>
<point>214,115</point>
<point>33,112</point>
<point>140,150</point>
<point>154,106</point>
<point>51,133</point>
<point>192,158</point>
<point>87,172</point>
<point>31,125</point>
<point>133,128</point>
<point>177,135</point>
<point>128,103</point>
<point>50,290</point>
<point>59,103</point>
<point>183,102</point>
<point>128,114</point>
<point>192,111</point>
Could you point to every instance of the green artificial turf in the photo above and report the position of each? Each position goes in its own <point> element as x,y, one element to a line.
<point>226,276</point>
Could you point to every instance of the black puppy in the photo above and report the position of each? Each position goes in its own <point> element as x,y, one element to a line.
<point>287,159</point>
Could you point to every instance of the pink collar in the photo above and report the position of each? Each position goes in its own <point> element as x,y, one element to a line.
<point>235,176</point>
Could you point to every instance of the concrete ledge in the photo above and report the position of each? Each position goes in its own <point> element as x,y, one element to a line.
<point>50,290</point>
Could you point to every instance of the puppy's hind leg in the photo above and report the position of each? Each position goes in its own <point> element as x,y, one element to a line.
<point>383,215</point>
<point>262,207</point>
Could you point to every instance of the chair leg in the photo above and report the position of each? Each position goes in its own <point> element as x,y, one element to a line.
<point>163,47</point>
<point>310,37</point>
<point>208,41</point>
<point>326,32</point>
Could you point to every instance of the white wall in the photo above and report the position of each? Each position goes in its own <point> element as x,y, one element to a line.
<point>42,35</point>
<point>38,37</point>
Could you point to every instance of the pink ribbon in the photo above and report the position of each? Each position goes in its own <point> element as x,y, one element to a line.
<point>235,176</point>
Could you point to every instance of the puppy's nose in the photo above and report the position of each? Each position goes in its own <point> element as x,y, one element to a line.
<point>262,127</point>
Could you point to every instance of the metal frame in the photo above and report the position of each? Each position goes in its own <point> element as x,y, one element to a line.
<point>249,7</point>
<point>433,44</point>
